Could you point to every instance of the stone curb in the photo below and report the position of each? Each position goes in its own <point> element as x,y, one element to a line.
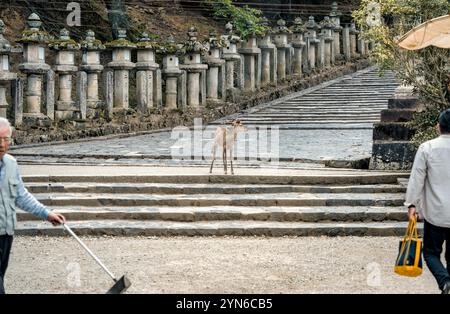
<point>233,228</point>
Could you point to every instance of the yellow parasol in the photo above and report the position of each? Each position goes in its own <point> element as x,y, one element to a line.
<point>435,32</point>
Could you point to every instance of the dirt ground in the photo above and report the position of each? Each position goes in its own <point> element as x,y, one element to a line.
<point>212,265</point>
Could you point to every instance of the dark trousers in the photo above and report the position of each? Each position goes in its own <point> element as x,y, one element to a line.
<point>5,249</point>
<point>433,241</point>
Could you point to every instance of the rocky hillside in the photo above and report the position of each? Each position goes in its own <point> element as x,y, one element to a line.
<point>158,17</point>
<point>161,17</point>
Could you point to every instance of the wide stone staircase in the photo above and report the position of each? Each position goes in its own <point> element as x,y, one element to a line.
<point>353,101</point>
<point>353,203</point>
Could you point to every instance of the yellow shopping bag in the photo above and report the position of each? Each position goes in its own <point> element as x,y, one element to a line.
<point>409,259</point>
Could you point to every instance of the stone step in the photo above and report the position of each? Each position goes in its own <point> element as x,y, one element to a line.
<point>336,99</point>
<point>266,121</point>
<point>331,179</point>
<point>311,126</point>
<point>306,116</point>
<point>185,214</point>
<point>266,199</point>
<point>161,188</point>
<point>215,228</point>
<point>334,108</point>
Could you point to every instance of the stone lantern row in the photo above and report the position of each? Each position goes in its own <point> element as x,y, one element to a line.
<point>210,70</point>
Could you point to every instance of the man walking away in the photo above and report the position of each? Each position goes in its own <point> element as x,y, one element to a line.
<point>428,195</point>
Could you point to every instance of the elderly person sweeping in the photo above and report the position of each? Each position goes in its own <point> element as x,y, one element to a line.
<point>14,194</point>
<point>429,190</point>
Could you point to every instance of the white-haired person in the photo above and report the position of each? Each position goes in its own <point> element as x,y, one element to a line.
<point>14,195</point>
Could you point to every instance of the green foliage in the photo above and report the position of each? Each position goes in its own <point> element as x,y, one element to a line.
<point>247,21</point>
<point>424,69</point>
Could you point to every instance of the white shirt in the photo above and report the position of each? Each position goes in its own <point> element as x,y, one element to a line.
<point>429,183</point>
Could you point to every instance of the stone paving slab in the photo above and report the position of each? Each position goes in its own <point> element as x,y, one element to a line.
<point>313,144</point>
<point>215,228</point>
<point>307,135</point>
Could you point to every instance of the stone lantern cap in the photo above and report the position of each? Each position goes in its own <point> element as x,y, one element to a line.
<point>64,42</point>
<point>298,26</point>
<point>121,42</point>
<point>171,51</point>
<point>214,43</point>
<point>148,42</point>
<point>334,10</point>
<point>311,24</point>
<point>281,27</point>
<point>327,26</point>
<point>5,49</point>
<point>266,25</point>
<point>146,47</point>
<point>170,47</point>
<point>298,29</point>
<point>33,34</point>
<point>5,46</point>
<point>230,36</point>
<point>192,45</point>
<point>90,43</point>
<point>327,23</point>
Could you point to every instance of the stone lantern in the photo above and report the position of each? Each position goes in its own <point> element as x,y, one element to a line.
<point>232,59</point>
<point>121,65</point>
<point>335,16</point>
<point>312,41</point>
<point>6,76</point>
<point>353,33</point>
<point>283,49</point>
<point>268,56</point>
<point>346,42</point>
<point>298,30</point>
<point>90,64</point>
<point>327,31</point>
<point>34,42</point>
<point>196,70</point>
<point>215,82</point>
<point>174,77</point>
<point>148,75</point>
<point>65,48</point>
<point>252,60</point>
<point>361,44</point>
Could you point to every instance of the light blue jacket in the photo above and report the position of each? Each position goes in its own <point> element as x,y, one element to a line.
<point>14,194</point>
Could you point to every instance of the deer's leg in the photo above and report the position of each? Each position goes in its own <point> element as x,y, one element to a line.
<point>213,158</point>
<point>225,159</point>
<point>231,161</point>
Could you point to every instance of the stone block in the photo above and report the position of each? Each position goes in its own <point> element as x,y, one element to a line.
<point>50,94</point>
<point>403,103</point>
<point>395,131</point>
<point>389,155</point>
<point>397,115</point>
<point>82,93</point>
<point>17,95</point>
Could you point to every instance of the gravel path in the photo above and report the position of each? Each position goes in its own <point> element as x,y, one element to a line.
<point>212,265</point>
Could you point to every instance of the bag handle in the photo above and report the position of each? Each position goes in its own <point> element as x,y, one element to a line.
<point>411,232</point>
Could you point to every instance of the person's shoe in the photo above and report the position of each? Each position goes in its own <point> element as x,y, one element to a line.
<point>446,289</point>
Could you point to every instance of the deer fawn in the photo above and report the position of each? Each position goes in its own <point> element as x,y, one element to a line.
<point>226,138</point>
